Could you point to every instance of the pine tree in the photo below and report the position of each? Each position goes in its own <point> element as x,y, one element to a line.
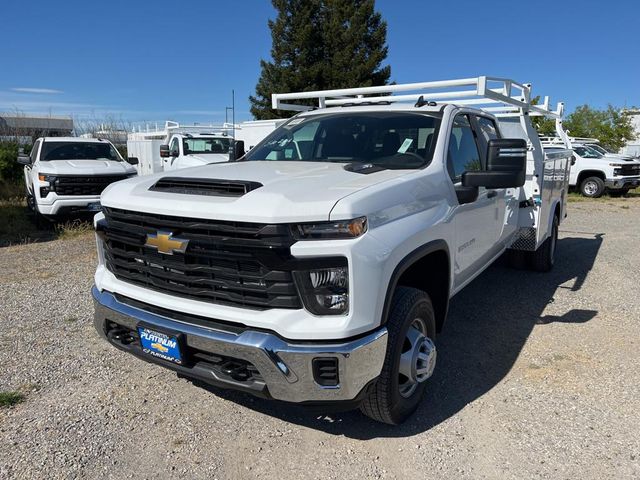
<point>321,44</point>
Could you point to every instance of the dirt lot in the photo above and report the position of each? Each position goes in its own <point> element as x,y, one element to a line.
<point>538,377</point>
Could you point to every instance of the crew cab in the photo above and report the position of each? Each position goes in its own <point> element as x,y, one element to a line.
<point>318,268</point>
<point>593,173</point>
<point>65,175</point>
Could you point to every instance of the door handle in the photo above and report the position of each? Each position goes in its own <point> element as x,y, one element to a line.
<point>491,193</point>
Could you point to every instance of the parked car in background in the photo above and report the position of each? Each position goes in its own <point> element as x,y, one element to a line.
<point>593,173</point>
<point>181,146</point>
<point>65,175</point>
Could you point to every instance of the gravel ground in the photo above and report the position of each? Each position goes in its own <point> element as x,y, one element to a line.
<point>537,377</point>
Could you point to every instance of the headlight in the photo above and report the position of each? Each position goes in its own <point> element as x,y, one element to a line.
<point>340,229</point>
<point>324,291</point>
<point>43,177</point>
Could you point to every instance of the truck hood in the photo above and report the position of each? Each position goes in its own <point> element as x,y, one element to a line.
<point>85,167</point>
<point>206,158</point>
<point>619,157</point>
<point>290,191</point>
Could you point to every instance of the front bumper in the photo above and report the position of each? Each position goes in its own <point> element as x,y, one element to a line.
<point>622,182</point>
<point>64,205</point>
<point>285,370</point>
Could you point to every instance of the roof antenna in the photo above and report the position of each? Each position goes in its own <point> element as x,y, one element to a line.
<point>420,102</point>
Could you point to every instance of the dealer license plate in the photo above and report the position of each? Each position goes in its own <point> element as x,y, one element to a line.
<point>160,345</point>
<point>94,207</point>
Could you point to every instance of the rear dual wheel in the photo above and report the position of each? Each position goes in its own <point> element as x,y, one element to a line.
<point>410,358</point>
<point>541,260</point>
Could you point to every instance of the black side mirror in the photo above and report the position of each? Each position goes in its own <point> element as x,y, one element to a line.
<point>133,160</point>
<point>24,159</point>
<point>506,165</point>
<point>238,146</point>
<point>164,151</point>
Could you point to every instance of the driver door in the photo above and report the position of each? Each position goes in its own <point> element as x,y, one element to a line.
<point>475,222</point>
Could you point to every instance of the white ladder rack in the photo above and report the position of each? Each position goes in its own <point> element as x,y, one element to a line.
<point>500,96</point>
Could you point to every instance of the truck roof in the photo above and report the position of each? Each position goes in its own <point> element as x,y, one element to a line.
<point>74,139</point>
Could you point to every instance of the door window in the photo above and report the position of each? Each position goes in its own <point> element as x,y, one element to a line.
<point>34,151</point>
<point>174,148</point>
<point>463,154</point>
<point>487,128</point>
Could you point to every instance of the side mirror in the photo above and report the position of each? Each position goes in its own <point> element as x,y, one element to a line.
<point>238,150</point>
<point>133,160</point>
<point>24,159</point>
<point>164,151</point>
<point>506,165</point>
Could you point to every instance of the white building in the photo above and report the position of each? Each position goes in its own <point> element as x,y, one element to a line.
<point>633,146</point>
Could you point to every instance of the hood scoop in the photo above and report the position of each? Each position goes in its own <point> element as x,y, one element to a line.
<point>363,168</point>
<point>204,186</point>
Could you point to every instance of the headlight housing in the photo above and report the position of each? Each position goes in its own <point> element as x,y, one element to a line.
<point>337,230</point>
<point>43,177</point>
<point>324,291</point>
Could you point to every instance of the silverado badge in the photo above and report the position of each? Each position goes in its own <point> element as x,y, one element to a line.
<point>166,243</point>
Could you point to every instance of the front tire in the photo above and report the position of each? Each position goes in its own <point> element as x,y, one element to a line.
<point>410,358</point>
<point>592,187</point>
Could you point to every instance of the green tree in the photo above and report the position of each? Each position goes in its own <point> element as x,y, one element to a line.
<point>611,126</point>
<point>321,44</point>
<point>545,126</point>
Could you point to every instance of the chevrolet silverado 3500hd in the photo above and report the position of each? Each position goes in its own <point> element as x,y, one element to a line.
<point>318,268</point>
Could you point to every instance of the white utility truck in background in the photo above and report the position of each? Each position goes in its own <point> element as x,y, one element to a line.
<point>66,175</point>
<point>318,268</point>
<point>594,173</point>
<point>181,146</point>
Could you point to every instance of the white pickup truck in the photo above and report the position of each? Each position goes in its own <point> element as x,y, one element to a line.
<point>65,175</point>
<point>594,173</point>
<point>319,267</point>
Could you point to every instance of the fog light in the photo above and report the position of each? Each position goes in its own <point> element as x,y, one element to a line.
<point>325,291</point>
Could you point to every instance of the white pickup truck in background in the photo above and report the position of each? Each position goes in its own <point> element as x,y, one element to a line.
<point>318,268</point>
<point>66,175</point>
<point>182,146</point>
<point>594,173</point>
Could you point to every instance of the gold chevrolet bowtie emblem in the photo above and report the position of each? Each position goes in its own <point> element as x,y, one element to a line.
<point>165,243</point>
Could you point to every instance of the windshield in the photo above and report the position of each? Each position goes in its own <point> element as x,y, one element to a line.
<point>598,149</point>
<point>78,151</point>
<point>205,145</point>
<point>385,139</point>
<point>587,152</point>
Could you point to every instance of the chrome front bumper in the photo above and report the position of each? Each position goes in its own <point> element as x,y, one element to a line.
<point>285,369</point>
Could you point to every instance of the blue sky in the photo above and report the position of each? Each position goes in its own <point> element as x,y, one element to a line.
<point>151,61</point>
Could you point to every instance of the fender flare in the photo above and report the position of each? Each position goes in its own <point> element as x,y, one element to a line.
<point>406,263</point>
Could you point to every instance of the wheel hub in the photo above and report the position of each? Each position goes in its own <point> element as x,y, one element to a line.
<point>590,188</point>
<point>418,359</point>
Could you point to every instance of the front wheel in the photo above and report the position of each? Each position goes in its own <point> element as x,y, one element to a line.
<point>410,358</point>
<point>592,187</point>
